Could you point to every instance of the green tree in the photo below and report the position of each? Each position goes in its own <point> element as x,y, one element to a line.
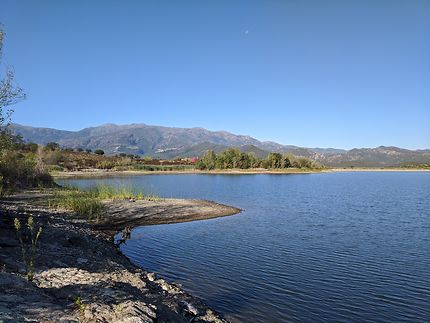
<point>303,162</point>
<point>223,161</point>
<point>209,159</point>
<point>274,160</point>
<point>287,161</point>
<point>244,161</point>
<point>230,157</point>
<point>253,160</point>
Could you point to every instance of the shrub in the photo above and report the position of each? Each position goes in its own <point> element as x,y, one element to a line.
<point>30,147</point>
<point>52,146</point>
<point>53,157</point>
<point>19,171</point>
<point>99,152</point>
<point>105,164</point>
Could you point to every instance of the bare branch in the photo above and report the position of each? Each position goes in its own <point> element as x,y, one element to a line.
<point>9,93</point>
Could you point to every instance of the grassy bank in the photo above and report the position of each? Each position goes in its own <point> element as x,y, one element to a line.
<point>89,204</point>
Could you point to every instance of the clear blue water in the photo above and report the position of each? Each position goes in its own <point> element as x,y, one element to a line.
<point>314,248</point>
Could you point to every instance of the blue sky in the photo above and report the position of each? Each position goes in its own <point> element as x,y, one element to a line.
<point>320,73</point>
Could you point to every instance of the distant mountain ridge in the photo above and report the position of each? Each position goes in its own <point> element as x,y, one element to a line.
<point>170,142</point>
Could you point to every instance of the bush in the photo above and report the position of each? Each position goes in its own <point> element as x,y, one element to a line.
<point>53,157</point>
<point>20,171</point>
<point>52,146</point>
<point>99,152</point>
<point>30,147</point>
<point>105,164</point>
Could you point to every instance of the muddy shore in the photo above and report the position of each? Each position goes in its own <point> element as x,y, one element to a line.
<point>77,259</point>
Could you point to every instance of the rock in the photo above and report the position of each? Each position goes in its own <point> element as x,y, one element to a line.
<point>189,308</point>
<point>150,276</point>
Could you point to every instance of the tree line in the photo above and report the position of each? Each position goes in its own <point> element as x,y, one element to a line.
<point>234,158</point>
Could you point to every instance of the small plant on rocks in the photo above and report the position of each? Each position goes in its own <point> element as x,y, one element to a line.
<point>28,252</point>
<point>79,304</point>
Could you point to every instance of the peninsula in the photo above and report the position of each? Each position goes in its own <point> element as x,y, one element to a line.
<point>79,273</point>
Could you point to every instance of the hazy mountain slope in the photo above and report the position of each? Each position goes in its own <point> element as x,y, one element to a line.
<point>374,157</point>
<point>169,142</point>
<point>328,151</point>
<point>136,138</point>
<point>258,152</point>
<point>40,135</point>
<point>190,151</point>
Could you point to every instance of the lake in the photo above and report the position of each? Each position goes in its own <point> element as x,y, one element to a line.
<point>307,247</point>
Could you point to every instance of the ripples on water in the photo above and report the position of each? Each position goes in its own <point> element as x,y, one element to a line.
<point>319,247</point>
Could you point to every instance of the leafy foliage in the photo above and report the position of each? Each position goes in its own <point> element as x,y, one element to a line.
<point>234,158</point>
<point>99,152</point>
<point>52,146</point>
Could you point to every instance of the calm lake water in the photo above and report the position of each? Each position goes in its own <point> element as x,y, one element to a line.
<point>313,248</point>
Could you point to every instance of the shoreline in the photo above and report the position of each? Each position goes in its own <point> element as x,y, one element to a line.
<point>394,169</point>
<point>77,258</point>
<point>108,173</point>
<point>102,173</point>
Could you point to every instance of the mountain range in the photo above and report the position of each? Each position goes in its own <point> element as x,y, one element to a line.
<point>170,142</point>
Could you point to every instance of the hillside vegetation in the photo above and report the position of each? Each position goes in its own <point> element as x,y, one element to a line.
<point>57,159</point>
<point>170,143</point>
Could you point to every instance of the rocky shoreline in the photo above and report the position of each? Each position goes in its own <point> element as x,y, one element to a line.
<point>80,274</point>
